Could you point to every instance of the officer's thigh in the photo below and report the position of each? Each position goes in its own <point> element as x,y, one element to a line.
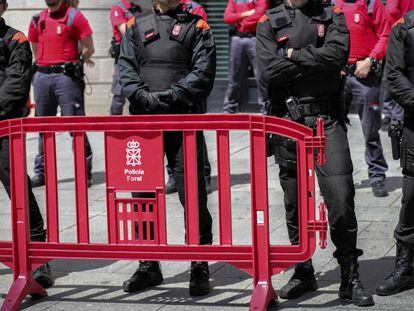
<point>69,94</point>
<point>45,100</point>
<point>364,91</point>
<point>335,176</point>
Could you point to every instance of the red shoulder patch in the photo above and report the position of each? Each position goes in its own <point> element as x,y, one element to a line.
<point>131,23</point>
<point>337,9</point>
<point>400,21</point>
<point>19,37</point>
<point>202,24</point>
<point>263,19</point>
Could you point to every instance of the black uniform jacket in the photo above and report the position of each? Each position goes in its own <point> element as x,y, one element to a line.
<point>15,72</point>
<point>173,51</point>
<point>320,40</point>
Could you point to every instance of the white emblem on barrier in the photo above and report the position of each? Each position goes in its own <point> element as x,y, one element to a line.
<point>133,153</point>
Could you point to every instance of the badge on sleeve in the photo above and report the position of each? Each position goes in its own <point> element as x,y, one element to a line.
<point>357,18</point>
<point>321,30</point>
<point>176,30</point>
<point>116,13</point>
<point>59,30</point>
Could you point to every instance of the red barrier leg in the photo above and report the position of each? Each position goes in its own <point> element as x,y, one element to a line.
<point>263,292</point>
<point>263,295</point>
<point>20,288</point>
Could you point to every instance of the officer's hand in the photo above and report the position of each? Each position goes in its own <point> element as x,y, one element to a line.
<point>363,68</point>
<point>149,101</point>
<point>248,13</point>
<point>167,97</point>
<point>154,102</point>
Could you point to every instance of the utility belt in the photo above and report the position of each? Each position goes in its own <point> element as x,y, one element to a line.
<point>244,34</point>
<point>74,70</point>
<point>377,69</point>
<point>300,108</point>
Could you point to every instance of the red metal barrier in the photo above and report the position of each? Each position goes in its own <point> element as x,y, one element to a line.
<point>134,158</point>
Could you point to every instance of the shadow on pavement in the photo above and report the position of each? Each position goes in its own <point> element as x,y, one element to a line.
<point>98,178</point>
<point>372,273</point>
<point>393,183</point>
<point>235,179</point>
<point>168,293</point>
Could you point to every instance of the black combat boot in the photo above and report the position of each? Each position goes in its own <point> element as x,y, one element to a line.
<point>402,277</point>
<point>42,274</point>
<point>302,281</point>
<point>199,279</point>
<point>170,187</point>
<point>148,275</point>
<point>351,287</point>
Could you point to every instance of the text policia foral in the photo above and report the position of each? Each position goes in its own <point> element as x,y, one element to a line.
<point>134,175</point>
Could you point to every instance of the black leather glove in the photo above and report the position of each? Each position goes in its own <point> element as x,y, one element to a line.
<point>169,97</point>
<point>150,101</point>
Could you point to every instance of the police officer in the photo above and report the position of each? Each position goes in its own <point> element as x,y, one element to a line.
<point>243,17</point>
<point>369,29</point>
<point>400,67</point>
<point>55,34</point>
<point>302,45</point>
<point>185,54</point>
<point>195,9</point>
<point>15,76</point>
<point>121,12</point>
<point>392,111</point>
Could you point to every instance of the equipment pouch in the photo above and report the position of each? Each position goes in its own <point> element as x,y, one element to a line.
<point>294,108</point>
<point>115,49</point>
<point>395,133</point>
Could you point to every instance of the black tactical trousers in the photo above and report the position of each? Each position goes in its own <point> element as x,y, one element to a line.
<point>173,146</point>
<point>37,233</point>
<point>404,232</point>
<point>336,185</point>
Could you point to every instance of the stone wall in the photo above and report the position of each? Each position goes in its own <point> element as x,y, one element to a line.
<point>96,11</point>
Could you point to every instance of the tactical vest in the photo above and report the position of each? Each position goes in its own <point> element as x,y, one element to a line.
<point>165,47</point>
<point>294,28</point>
<point>359,19</point>
<point>57,40</point>
<point>409,44</point>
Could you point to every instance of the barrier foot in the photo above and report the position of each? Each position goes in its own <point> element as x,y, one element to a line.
<point>263,295</point>
<point>20,288</point>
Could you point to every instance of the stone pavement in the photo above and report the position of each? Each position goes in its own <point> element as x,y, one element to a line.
<point>96,285</point>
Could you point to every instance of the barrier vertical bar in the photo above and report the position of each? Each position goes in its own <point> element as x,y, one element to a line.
<point>191,187</point>
<point>224,187</point>
<point>161,214</point>
<point>49,145</point>
<point>303,196</point>
<point>263,292</point>
<point>112,218</point>
<point>82,214</point>
<point>23,281</point>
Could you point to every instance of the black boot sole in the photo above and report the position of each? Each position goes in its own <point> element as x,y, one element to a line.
<point>408,286</point>
<point>134,287</point>
<point>308,287</point>
<point>196,291</point>
<point>361,303</point>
